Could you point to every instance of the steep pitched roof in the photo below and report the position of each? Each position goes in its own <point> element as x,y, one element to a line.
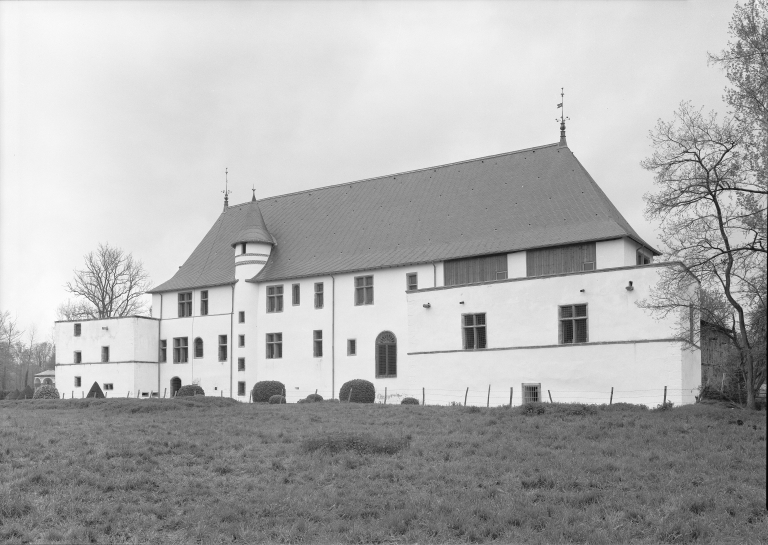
<point>254,229</point>
<point>513,201</point>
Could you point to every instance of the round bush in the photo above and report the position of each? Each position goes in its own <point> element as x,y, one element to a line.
<point>190,390</point>
<point>362,391</point>
<point>409,401</point>
<point>275,400</point>
<point>314,398</point>
<point>46,391</point>
<point>265,389</point>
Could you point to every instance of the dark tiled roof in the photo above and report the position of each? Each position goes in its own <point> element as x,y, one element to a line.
<point>254,229</point>
<point>513,201</point>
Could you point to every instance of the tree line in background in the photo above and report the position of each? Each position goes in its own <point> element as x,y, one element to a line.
<point>22,356</point>
<point>712,184</point>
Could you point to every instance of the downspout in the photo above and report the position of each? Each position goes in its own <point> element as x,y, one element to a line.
<point>231,340</point>
<point>333,336</point>
<point>159,332</point>
<point>434,282</point>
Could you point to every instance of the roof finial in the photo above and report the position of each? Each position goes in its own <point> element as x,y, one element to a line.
<point>562,118</point>
<point>226,189</point>
<point>253,188</point>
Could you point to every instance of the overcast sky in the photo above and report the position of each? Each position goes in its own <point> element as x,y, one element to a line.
<point>117,119</point>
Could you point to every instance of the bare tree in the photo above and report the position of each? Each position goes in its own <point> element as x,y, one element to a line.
<point>701,177</point>
<point>9,337</point>
<point>110,285</point>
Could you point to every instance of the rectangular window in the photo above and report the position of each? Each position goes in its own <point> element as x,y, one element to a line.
<point>241,317</point>
<point>412,281</point>
<point>364,290</point>
<point>241,364</point>
<point>198,347</point>
<point>104,354</point>
<point>317,343</point>
<point>78,329</point>
<point>109,386</point>
<point>573,324</point>
<point>274,298</point>
<point>531,393</point>
<point>163,351</point>
<point>241,341</point>
<point>561,259</point>
<point>643,258</point>
<point>474,331</point>
<point>180,350</point>
<point>185,304</point>
<point>241,388</point>
<point>296,294</point>
<point>274,346</point>
<point>351,347</point>
<point>222,348</point>
<point>78,382</point>
<point>319,295</point>
<point>471,270</point>
<point>204,303</point>
<point>78,357</point>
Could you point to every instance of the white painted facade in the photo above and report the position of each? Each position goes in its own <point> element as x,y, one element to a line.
<point>627,349</point>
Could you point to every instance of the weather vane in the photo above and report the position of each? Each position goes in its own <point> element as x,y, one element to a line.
<point>253,188</point>
<point>562,117</point>
<point>226,190</point>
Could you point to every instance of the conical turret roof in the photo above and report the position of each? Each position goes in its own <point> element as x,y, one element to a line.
<point>254,229</point>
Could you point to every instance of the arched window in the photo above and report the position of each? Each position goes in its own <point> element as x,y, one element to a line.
<point>198,347</point>
<point>386,354</point>
<point>175,385</point>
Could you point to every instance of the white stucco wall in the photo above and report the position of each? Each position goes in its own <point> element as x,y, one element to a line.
<point>517,265</point>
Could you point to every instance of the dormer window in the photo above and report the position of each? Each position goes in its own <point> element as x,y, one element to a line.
<point>643,257</point>
<point>242,248</point>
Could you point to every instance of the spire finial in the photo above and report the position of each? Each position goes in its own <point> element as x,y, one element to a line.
<point>226,189</point>
<point>562,118</point>
<point>253,188</point>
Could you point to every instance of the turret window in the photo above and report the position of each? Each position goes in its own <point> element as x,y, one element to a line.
<point>242,248</point>
<point>274,298</point>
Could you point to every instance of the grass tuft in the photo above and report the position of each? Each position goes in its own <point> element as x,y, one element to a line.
<point>361,443</point>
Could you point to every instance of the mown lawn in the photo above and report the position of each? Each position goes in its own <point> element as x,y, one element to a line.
<point>209,470</point>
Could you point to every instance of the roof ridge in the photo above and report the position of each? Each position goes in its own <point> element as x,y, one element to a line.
<point>400,173</point>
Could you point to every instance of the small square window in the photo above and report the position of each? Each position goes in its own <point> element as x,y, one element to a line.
<point>241,388</point>
<point>241,317</point>
<point>109,386</point>
<point>78,329</point>
<point>104,354</point>
<point>296,294</point>
<point>317,339</point>
<point>351,347</point>
<point>241,341</point>
<point>78,357</point>
<point>412,281</point>
<point>78,382</point>
<point>319,295</point>
<point>241,364</point>
<point>531,393</point>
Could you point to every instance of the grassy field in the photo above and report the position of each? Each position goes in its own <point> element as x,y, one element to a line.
<point>210,470</point>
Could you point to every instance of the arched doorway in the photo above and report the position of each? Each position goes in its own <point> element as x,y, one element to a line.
<point>386,354</point>
<point>175,385</point>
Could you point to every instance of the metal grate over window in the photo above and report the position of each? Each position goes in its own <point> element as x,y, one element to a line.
<point>274,298</point>
<point>386,355</point>
<point>531,393</point>
<point>364,290</point>
<point>474,331</point>
<point>573,324</point>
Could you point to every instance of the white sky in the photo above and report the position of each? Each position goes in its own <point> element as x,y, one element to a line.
<point>117,119</point>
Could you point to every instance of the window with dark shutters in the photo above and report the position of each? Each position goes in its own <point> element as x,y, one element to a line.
<point>386,355</point>
<point>471,270</point>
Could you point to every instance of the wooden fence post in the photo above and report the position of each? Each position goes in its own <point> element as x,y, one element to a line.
<point>423,396</point>
<point>510,397</point>
<point>82,394</point>
<point>488,402</point>
<point>665,395</point>
<point>349,397</point>
<point>128,394</point>
<point>385,395</point>
<point>165,390</point>
<point>550,396</point>
<point>222,393</point>
<point>465,396</point>
<point>611,401</point>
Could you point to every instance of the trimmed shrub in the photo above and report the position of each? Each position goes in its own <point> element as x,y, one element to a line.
<point>362,391</point>
<point>265,389</point>
<point>190,390</point>
<point>314,398</point>
<point>95,391</point>
<point>409,401</point>
<point>46,391</point>
<point>28,392</point>
<point>276,400</point>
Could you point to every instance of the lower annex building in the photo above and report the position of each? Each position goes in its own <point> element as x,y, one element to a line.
<point>512,270</point>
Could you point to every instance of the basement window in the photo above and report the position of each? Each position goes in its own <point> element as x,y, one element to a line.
<point>531,393</point>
